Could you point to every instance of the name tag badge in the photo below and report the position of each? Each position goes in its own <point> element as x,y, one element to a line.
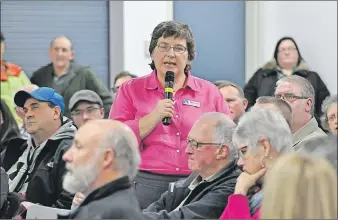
<point>191,103</point>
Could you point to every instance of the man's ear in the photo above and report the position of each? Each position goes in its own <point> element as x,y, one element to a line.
<point>308,105</point>
<point>108,158</point>
<point>245,103</point>
<point>57,113</point>
<point>102,112</point>
<point>222,152</point>
<point>73,55</point>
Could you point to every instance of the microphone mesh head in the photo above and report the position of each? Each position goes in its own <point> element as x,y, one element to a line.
<point>169,76</point>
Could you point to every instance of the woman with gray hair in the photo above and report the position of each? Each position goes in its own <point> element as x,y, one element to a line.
<point>329,118</point>
<point>140,104</point>
<point>261,136</point>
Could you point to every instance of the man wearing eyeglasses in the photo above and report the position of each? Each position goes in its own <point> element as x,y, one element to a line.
<point>300,95</point>
<point>85,105</point>
<point>204,194</point>
<point>121,78</point>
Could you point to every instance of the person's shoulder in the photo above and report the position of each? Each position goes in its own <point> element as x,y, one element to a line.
<point>82,70</point>
<point>43,69</point>
<point>135,83</point>
<point>13,67</point>
<point>203,83</point>
<point>119,204</point>
<point>269,68</point>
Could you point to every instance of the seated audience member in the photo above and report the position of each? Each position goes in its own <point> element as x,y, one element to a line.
<point>121,78</point>
<point>299,187</point>
<point>8,126</point>
<point>276,104</point>
<point>300,95</point>
<point>67,77</point>
<point>141,105</point>
<point>286,61</point>
<point>4,188</point>
<point>329,118</point>
<point>261,136</point>
<point>213,164</point>
<point>19,111</point>
<point>324,147</point>
<point>234,96</point>
<point>85,105</point>
<point>12,78</point>
<point>36,169</point>
<point>101,163</point>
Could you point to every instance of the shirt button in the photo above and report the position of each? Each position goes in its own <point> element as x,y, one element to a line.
<point>177,151</point>
<point>177,116</point>
<point>177,169</point>
<point>178,134</point>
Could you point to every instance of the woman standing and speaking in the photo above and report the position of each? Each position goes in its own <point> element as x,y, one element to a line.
<point>140,104</point>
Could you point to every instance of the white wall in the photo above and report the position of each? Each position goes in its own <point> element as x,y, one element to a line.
<point>139,20</point>
<point>312,24</point>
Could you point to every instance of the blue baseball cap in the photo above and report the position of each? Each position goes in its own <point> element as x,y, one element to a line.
<point>43,94</point>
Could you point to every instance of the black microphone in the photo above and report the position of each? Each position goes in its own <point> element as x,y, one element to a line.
<point>168,92</point>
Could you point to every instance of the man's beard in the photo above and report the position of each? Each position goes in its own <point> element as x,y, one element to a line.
<point>80,178</point>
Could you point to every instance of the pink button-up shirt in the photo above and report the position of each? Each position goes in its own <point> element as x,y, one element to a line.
<point>163,150</point>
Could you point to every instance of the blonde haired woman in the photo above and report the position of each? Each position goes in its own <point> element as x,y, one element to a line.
<point>300,187</point>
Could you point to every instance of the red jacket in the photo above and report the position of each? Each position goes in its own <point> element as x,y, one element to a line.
<point>238,208</point>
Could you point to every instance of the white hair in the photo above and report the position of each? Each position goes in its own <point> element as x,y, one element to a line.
<point>324,147</point>
<point>263,122</point>
<point>325,105</point>
<point>125,146</point>
<point>81,177</point>
<point>224,130</point>
<point>306,89</point>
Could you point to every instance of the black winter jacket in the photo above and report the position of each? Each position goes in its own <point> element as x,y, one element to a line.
<point>115,200</point>
<point>45,180</point>
<point>207,200</point>
<point>263,83</point>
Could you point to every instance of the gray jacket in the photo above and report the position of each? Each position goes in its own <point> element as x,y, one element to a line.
<point>307,133</point>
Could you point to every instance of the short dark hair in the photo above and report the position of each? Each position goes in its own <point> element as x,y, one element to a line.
<point>123,74</point>
<point>52,105</point>
<point>300,58</point>
<point>224,83</point>
<point>2,37</point>
<point>280,104</point>
<point>177,30</point>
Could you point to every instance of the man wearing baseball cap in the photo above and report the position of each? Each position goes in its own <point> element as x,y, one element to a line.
<point>85,105</point>
<point>36,168</point>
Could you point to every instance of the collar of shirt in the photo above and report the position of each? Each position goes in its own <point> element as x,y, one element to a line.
<point>56,77</point>
<point>153,83</point>
<point>198,180</point>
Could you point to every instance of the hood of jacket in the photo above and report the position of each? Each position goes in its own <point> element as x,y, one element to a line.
<point>272,64</point>
<point>67,130</point>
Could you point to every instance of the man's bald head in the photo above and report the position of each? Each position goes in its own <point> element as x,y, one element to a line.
<point>63,38</point>
<point>102,151</point>
<point>116,136</point>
